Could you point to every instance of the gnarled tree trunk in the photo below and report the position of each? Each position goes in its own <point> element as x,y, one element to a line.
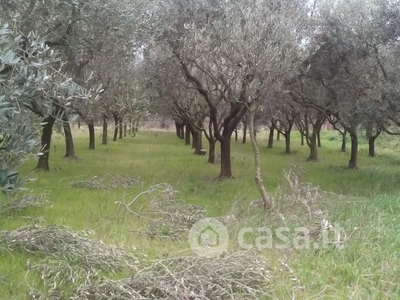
<point>211,143</point>
<point>354,150</point>
<point>197,142</point>
<point>187,135</point>
<point>287,142</point>
<point>120,128</point>
<point>271,137</point>
<point>47,131</point>
<point>211,151</point>
<point>344,136</point>
<point>177,129</point>
<point>312,141</point>
<point>371,147</point>
<point>244,133</point>
<point>69,141</point>
<point>91,135</point>
<point>319,138</point>
<point>312,144</point>
<point>226,167</point>
<point>115,116</point>
<point>104,136</point>
<point>371,140</point>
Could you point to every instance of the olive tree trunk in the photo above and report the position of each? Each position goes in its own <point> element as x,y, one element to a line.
<point>354,150</point>
<point>47,131</point>
<point>104,136</point>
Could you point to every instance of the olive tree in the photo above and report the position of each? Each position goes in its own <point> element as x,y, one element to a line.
<point>347,66</point>
<point>28,72</point>
<point>232,50</point>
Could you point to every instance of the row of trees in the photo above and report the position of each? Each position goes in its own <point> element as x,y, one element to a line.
<point>284,64</point>
<point>56,59</point>
<point>208,64</point>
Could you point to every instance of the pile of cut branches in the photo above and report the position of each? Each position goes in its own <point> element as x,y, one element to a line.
<point>14,203</point>
<point>63,243</point>
<point>242,275</point>
<point>104,182</point>
<point>167,217</point>
<point>69,259</point>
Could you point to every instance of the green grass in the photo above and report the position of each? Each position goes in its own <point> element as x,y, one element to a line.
<point>367,268</point>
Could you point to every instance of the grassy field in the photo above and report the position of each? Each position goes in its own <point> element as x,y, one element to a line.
<point>367,268</point>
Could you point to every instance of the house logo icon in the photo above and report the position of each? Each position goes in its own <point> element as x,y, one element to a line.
<point>208,237</point>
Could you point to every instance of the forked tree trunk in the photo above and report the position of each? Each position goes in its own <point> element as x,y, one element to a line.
<point>244,134</point>
<point>313,141</point>
<point>302,139</point>
<point>371,144</point>
<point>104,136</point>
<point>226,167</point>
<point>47,131</point>
<point>371,140</point>
<point>187,135</point>
<point>230,122</point>
<point>91,135</point>
<point>354,150</point>
<point>69,142</point>
<point>313,148</point>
